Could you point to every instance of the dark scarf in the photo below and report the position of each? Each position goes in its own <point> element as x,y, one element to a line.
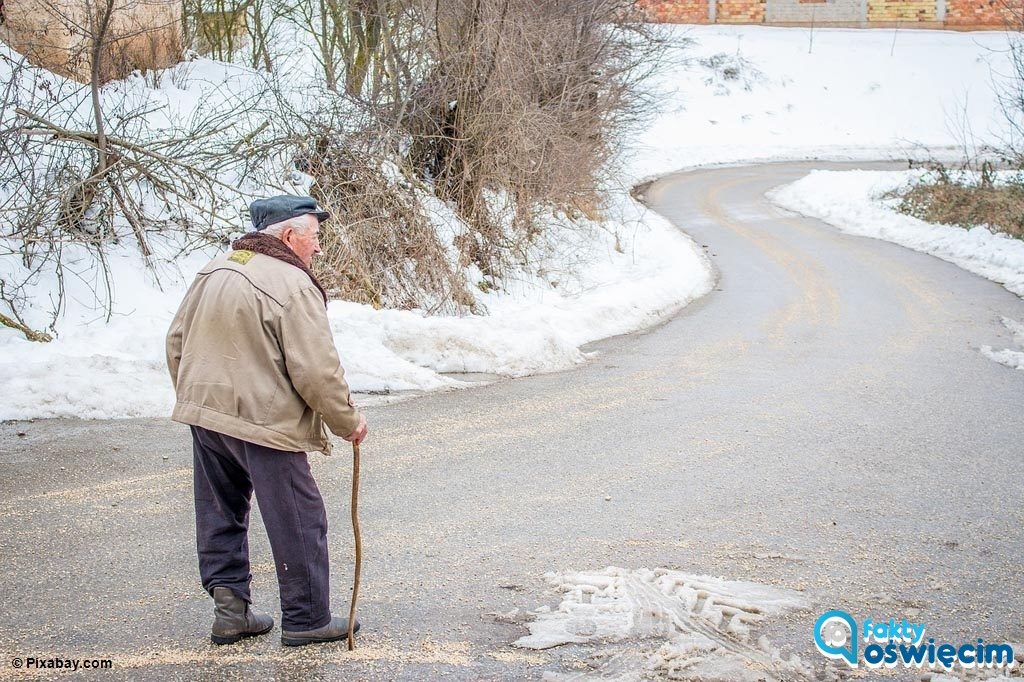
<point>259,242</point>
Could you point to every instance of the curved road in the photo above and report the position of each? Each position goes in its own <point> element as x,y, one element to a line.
<point>821,421</point>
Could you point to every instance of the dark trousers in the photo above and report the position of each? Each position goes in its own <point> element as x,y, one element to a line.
<point>227,471</point>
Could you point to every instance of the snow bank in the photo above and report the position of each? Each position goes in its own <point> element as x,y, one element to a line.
<point>528,334</point>
<point>852,201</point>
<point>587,290</point>
<point>96,369</point>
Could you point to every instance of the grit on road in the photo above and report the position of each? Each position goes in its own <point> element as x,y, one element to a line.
<point>821,421</point>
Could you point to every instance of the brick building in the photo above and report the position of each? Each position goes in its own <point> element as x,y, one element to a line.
<point>949,14</point>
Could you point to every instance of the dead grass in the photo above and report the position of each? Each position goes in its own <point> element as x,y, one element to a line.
<point>953,199</point>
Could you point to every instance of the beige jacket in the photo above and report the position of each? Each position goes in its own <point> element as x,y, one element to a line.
<point>251,355</point>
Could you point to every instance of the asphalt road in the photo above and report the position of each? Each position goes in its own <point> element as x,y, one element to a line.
<point>821,421</point>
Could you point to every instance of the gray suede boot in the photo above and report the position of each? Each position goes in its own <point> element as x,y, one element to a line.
<point>233,620</point>
<point>332,632</point>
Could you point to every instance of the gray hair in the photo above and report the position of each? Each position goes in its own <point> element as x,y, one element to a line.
<point>297,223</point>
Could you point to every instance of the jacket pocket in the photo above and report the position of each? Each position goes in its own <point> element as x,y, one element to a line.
<point>267,413</point>
<point>219,397</point>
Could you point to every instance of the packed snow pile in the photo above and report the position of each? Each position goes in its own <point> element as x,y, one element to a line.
<point>1008,356</point>
<point>664,624</point>
<point>853,201</point>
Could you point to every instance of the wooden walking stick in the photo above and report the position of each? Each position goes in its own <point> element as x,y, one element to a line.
<point>359,546</point>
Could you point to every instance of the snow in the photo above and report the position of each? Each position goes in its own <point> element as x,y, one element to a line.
<point>536,328</point>
<point>1009,357</point>
<point>851,94</point>
<point>660,624</point>
<point>96,369</point>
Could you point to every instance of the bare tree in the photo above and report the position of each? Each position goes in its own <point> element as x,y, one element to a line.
<point>216,28</point>
<point>361,43</point>
<point>222,29</point>
<point>82,167</point>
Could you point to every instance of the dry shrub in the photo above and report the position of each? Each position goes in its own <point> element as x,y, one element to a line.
<point>158,188</point>
<point>380,247</point>
<point>967,200</point>
<point>520,109</point>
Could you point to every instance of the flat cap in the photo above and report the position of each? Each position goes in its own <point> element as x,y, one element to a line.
<point>266,212</point>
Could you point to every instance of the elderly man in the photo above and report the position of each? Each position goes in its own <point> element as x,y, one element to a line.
<point>257,377</point>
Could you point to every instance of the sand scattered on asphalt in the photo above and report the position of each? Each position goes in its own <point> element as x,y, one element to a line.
<point>134,487</point>
<point>426,651</point>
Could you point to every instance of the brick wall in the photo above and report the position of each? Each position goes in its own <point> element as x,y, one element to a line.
<point>739,11</point>
<point>677,11</point>
<point>982,12</point>
<point>901,10</point>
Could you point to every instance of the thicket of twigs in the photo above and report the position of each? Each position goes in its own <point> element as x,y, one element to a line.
<point>500,109</point>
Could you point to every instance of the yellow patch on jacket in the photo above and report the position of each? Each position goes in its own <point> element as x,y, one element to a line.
<point>241,257</point>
